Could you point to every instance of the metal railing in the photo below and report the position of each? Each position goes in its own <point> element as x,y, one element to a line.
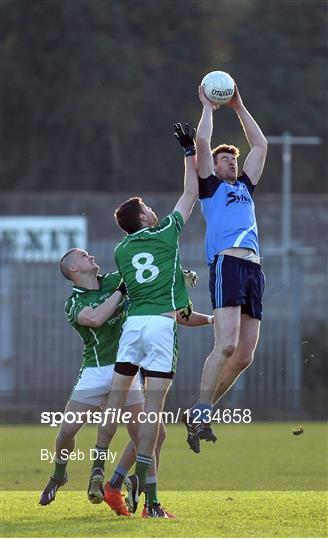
<point>41,354</point>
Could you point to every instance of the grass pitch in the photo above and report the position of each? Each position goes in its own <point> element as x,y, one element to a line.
<point>202,514</point>
<point>257,480</point>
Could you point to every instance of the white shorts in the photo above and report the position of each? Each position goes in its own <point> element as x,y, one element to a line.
<point>94,384</point>
<point>149,341</point>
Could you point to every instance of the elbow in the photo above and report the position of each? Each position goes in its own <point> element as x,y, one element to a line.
<point>90,318</point>
<point>265,147</point>
<point>261,145</point>
<point>192,194</point>
<point>93,322</point>
<point>96,323</point>
<point>201,141</point>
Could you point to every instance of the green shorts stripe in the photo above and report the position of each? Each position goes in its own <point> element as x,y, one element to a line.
<point>175,351</point>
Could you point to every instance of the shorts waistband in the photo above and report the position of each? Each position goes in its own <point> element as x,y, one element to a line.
<point>238,260</point>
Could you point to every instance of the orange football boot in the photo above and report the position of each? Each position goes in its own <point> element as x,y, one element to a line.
<point>115,499</point>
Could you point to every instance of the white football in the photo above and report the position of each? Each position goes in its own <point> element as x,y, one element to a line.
<point>218,87</point>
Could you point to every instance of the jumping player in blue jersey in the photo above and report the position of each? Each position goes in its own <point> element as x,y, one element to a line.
<point>236,280</point>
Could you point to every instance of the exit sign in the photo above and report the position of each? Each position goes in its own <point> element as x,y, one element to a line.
<point>41,238</point>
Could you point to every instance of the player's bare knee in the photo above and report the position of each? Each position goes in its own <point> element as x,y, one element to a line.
<point>67,432</point>
<point>107,430</point>
<point>228,350</point>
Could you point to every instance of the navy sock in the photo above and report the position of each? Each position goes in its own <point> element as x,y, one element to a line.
<point>116,480</point>
<point>201,412</point>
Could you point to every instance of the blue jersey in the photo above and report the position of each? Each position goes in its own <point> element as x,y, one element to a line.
<point>229,212</point>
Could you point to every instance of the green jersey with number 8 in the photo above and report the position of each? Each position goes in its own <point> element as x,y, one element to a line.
<point>149,263</point>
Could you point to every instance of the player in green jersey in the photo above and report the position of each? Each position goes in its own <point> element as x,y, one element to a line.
<point>148,261</point>
<point>96,310</point>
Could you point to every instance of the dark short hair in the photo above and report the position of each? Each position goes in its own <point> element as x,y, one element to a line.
<point>127,215</point>
<point>227,148</point>
<point>65,262</point>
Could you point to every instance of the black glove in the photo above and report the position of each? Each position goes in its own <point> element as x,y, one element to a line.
<point>122,288</point>
<point>185,138</point>
<point>186,312</point>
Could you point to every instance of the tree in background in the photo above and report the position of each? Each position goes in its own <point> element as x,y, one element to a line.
<point>278,53</point>
<point>90,89</point>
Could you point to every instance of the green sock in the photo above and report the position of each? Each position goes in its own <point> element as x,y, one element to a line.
<point>151,490</point>
<point>142,467</point>
<point>60,468</point>
<point>99,461</point>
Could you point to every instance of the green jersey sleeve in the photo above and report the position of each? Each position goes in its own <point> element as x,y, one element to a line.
<point>73,307</point>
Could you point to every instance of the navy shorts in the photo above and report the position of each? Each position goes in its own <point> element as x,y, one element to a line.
<point>237,282</point>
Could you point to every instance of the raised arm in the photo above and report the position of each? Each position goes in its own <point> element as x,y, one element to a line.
<point>190,193</point>
<point>255,160</point>
<point>205,163</point>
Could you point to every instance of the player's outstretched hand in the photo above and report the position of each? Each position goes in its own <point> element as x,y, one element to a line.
<point>190,278</point>
<point>185,138</point>
<point>236,101</point>
<point>205,101</point>
<point>183,135</point>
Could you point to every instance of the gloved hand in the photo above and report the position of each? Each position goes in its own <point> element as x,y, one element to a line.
<point>185,138</point>
<point>186,312</point>
<point>190,278</point>
<point>122,288</point>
